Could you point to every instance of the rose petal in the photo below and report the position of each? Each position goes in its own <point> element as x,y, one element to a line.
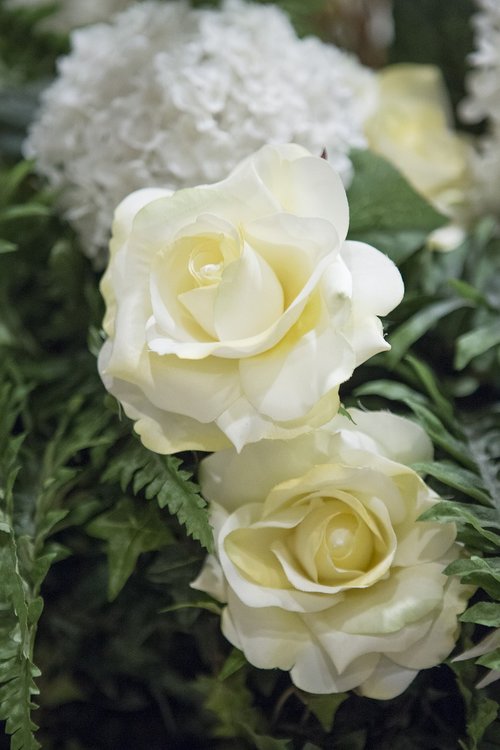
<point>249,298</point>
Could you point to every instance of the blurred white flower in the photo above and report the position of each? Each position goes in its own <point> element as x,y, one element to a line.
<point>71,14</point>
<point>170,96</point>
<point>483,102</point>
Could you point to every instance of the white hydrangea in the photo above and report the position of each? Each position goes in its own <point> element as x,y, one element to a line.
<point>166,95</point>
<point>73,13</point>
<point>484,102</point>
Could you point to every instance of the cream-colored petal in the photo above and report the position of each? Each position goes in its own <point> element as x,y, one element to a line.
<point>200,303</point>
<point>292,246</point>
<point>387,680</point>
<point>300,183</point>
<point>441,637</point>
<point>395,437</point>
<point>201,389</point>
<point>377,286</point>
<point>249,298</point>
<point>256,595</point>
<point>232,478</point>
<point>246,347</point>
<point>314,671</point>
<point>286,382</point>
<point>270,638</point>
<point>161,431</point>
<point>211,579</point>
<point>408,595</point>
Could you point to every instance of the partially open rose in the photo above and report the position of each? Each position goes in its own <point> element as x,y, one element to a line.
<point>235,310</point>
<point>321,561</point>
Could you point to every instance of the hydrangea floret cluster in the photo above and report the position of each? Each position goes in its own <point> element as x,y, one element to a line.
<point>70,14</point>
<point>171,96</point>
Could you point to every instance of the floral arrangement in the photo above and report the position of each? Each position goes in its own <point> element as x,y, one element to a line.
<point>249,392</point>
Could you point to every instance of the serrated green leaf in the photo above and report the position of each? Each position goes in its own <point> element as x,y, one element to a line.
<point>448,511</point>
<point>483,613</point>
<point>476,342</point>
<point>478,572</point>
<point>129,529</point>
<point>162,479</point>
<point>456,477</point>
<point>482,432</point>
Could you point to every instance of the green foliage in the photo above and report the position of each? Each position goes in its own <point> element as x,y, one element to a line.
<point>231,703</point>
<point>162,479</point>
<point>149,667</point>
<point>385,211</point>
<point>128,530</point>
<point>480,711</point>
<point>324,707</point>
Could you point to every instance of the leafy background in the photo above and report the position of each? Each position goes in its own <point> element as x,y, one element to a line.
<point>103,645</point>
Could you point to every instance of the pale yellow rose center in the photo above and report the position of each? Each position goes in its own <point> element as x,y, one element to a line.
<point>317,540</point>
<point>206,263</point>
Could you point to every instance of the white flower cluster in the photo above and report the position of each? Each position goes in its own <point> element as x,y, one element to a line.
<point>170,96</point>
<point>484,102</point>
<point>71,14</point>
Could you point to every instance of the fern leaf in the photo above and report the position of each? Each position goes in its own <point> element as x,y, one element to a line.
<point>161,478</point>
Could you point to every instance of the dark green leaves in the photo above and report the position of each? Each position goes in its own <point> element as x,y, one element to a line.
<point>129,529</point>
<point>385,211</point>
<point>162,479</point>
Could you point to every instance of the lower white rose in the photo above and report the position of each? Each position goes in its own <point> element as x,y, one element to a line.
<point>322,563</point>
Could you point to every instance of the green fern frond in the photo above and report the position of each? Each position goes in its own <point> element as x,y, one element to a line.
<point>161,478</point>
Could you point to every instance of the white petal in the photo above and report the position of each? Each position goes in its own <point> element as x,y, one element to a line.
<point>314,671</point>
<point>408,595</point>
<point>443,631</point>
<point>201,389</point>
<point>234,479</point>
<point>377,286</point>
<point>161,431</point>
<point>249,298</point>
<point>395,437</point>
<point>387,680</point>
<point>211,579</point>
<point>286,382</point>
<point>270,638</point>
<point>293,246</point>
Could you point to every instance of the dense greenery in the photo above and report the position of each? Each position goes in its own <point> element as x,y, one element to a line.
<point>102,642</point>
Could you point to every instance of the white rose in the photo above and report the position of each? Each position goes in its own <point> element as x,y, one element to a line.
<point>235,310</point>
<point>322,563</point>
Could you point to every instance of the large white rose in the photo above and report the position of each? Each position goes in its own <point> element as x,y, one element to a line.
<point>235,310</point>
<point>321,561</point>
